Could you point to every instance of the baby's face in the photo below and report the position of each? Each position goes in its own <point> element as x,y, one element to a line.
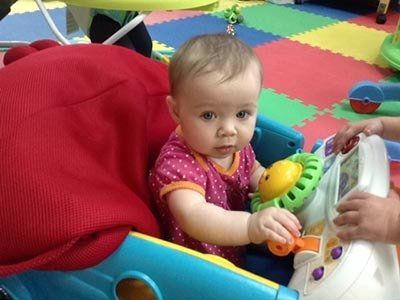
<point>218,119</point>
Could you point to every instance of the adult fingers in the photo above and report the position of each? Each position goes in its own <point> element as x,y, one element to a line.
<point>349,233</point>
<point>350,217</point>
<point>351,204</point>
<point>345,134</point>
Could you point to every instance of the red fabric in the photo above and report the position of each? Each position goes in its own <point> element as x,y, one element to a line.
<point>80,127</point>
<point>17,53</point>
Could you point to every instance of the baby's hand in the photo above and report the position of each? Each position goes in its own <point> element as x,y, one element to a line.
<point>368,127</point>
<point>276,224</point>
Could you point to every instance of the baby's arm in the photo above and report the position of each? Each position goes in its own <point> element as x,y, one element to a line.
<point>209,223</point>
<point>369,217</point>
<point>258,170</point>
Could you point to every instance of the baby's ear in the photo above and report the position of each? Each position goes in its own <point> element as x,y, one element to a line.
<point>173,108</point>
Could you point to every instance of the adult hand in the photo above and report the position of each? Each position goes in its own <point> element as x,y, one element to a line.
<point>369,217</point>
<point>368,127</point>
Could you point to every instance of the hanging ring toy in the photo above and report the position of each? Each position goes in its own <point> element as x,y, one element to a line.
<point>287,183</point>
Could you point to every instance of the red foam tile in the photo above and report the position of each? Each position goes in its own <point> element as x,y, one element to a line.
<point>320,128</point>
<point>164,16</point>
<point>370,21</point>
<point>314,76</point>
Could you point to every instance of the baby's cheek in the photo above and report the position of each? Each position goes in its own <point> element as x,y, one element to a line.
<point>247,134</point>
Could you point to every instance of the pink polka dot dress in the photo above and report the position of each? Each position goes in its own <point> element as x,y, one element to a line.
<point>178,167</point>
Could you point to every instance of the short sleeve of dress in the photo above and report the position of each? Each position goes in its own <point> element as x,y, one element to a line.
<point>249,158</point>
<point>176,168</point>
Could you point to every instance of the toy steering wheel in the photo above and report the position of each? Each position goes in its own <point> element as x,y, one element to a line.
<point>287,183</point>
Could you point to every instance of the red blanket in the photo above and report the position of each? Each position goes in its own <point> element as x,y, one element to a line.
<point>79,128</point>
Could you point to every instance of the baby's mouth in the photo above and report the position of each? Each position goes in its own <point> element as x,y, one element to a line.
<point>224,149</point>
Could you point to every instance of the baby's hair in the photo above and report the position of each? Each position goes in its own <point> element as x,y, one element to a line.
<point>208,53</point>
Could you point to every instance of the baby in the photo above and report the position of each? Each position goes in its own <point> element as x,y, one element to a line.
<point>205,171</point>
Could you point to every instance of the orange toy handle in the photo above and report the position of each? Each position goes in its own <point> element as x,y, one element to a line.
<point>280,249</point>
<point>309,243</point>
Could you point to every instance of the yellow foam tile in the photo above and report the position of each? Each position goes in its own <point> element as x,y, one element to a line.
<point>24,6</point>
<point>80,40</point>
<point>350,40</point>
<point>159,47</point>
<point>224,4</point>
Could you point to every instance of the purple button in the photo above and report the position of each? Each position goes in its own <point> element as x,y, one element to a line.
<point>329,146</point>
<point>318,273</point>
<point>336,252</point>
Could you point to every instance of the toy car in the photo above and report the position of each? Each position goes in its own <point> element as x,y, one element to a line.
<point>366,96</point>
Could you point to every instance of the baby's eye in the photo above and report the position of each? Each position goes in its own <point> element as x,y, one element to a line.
<point>242,114</point>
<point>208,115</point>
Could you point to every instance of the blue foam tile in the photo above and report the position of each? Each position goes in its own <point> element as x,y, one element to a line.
<point>32,26</point>
<point>176,32</point>
<point>334,9</point>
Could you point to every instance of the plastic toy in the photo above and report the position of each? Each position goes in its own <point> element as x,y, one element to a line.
<point>346,270</point>
<point>366,96</point>
<point>230,29</point>
<point>233,14</point>
<point>299,244</point>
<point>288,183</point>
<point>326,267</point>
<point>390,49</point>
<point>167,270</point>
<point>381,11</point>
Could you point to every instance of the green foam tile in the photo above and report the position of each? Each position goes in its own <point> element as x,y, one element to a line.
<point>394,78</point>
<point>283,109</point>
<point>281,20</point>
<point>344,111</point>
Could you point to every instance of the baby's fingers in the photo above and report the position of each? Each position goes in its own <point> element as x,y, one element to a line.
<point>293,218</point>
<point>289,224</point>
<point>279,235</point>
